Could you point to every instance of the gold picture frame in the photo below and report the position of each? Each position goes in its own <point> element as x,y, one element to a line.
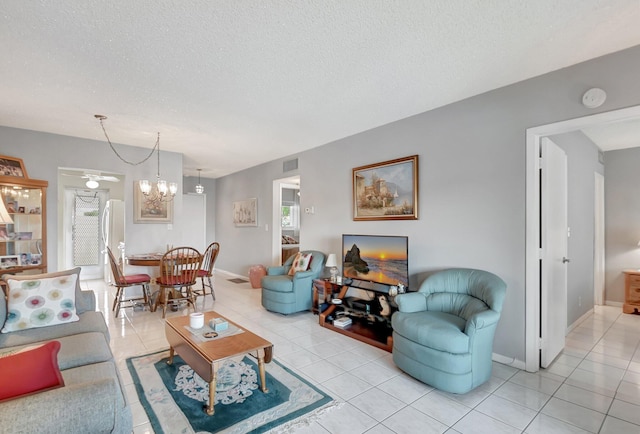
<point>12,166</point>
<point>151,208</point>
<point>386,190</point>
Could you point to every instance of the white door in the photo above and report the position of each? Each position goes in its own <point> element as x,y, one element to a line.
<point>554,261</point>
<point>598,243</point>
<point>194,210</point>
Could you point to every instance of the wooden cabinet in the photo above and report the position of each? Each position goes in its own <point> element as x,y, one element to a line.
<point>23,243</point>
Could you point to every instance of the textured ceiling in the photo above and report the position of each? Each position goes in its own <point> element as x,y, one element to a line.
<point>234,83</point>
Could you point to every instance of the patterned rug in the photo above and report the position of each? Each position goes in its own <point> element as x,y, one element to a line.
<point>238,280</point>
<point>174,397</point>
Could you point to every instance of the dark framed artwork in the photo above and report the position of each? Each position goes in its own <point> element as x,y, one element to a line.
<point>386,190</point>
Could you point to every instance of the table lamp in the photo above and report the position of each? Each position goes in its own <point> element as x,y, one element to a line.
<point>333,265</point>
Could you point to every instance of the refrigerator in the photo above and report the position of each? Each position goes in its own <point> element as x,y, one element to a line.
<point>112,233</point>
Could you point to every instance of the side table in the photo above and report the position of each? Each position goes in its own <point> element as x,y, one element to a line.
<point>631,291</point>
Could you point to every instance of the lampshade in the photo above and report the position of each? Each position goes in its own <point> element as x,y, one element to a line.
<point>4,214</point>
<point>331,260</point>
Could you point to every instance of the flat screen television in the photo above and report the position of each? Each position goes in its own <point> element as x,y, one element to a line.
<point>375,261</point>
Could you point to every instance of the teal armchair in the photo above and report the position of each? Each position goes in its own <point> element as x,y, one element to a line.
<point>443,333</point>
<point>286,294</point>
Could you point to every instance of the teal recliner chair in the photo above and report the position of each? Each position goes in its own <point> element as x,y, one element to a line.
<point>443,333</point>
<point>286,294</point>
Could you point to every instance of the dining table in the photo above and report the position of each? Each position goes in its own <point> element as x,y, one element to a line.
<point>149,260</point>
<point>145,259</point>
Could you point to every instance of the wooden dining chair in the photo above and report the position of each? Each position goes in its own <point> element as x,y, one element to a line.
<point>122,281</point>
<point>178,273</point>
<point>206,271</point>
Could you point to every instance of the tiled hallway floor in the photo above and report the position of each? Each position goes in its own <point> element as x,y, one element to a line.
<point>594,386</point>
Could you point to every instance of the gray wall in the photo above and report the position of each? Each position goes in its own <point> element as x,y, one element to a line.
<point>582,156</point>
<point>44,153</point>
<point>471,189</point>
<point>622,220</point>
<point>472,181</point>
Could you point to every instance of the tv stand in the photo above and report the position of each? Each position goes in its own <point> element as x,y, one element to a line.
<point>367,326</point>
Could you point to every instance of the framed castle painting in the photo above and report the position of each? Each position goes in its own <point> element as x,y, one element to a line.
<point>386,190</point>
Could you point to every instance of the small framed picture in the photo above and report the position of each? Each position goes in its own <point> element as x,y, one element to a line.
<point>11,166</point>
<point>25,259</point>
<point>21,209</point>
<point>36,259</point>
<point>12,206</point>
<point>23,235</point>
<point>9,261</point>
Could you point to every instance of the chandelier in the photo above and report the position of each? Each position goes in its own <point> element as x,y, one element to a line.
<point>165,192</point>
<point>199,187</point>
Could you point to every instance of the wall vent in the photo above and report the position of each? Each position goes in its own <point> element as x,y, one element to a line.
<point>290,165</point>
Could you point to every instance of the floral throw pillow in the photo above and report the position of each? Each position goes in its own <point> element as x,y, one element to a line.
<point>40,303</point>
<point>300,263</point>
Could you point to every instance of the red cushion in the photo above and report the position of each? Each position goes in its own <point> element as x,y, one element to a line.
<point>136,278</point>
<point>203,273</point>
<point>30,371</point>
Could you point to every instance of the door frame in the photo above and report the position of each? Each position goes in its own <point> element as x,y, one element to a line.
<point>532,226</point>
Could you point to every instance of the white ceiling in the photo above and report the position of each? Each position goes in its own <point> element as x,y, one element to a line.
<point>234,83</point>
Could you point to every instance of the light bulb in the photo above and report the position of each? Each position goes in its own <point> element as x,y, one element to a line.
<point>173,188</point>
<point>162,187</point>
<point>145,186</point>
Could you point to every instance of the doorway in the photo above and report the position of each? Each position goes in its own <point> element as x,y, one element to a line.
<point>286,219</point>
<point>534,138</point>
<point>81,218</point>
<point>83,232</point>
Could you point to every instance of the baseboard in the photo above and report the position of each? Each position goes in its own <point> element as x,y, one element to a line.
<point>613,303</point>
<point>509,361</point>
<point>577,322</point>
<point>230,274</point>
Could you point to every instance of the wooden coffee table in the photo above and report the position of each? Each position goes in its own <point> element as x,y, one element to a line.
<point>205,357</point>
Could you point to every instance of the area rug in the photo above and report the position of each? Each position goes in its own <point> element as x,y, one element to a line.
<point>238,280</point>
<point>173,397</point>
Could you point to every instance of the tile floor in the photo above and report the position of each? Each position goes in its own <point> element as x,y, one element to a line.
<point>594,386</point>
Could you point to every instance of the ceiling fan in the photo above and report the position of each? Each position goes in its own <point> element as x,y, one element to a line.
<point>93,178</point>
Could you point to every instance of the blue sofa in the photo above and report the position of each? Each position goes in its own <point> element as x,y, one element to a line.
<point>443,333</point>
<point>286,294</point>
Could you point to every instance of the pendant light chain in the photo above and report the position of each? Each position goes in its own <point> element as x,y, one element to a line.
<point>101,118</point>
